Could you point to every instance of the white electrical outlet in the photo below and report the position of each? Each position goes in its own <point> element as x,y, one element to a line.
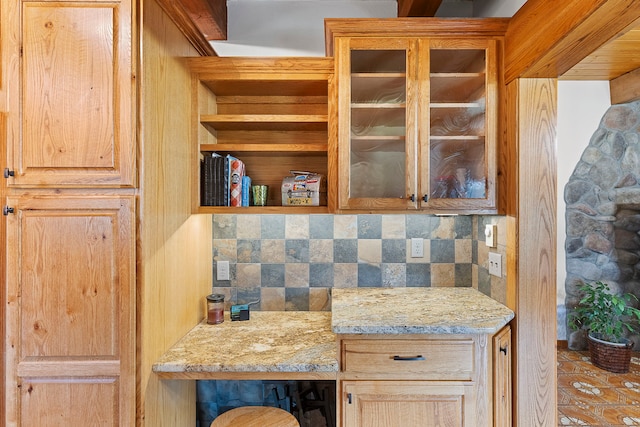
<point>417,247</point>
<point>222,270</point>
<point>495,264</point>
<point>491,235</point>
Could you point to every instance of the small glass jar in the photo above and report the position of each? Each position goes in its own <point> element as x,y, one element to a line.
<point>215,309</point>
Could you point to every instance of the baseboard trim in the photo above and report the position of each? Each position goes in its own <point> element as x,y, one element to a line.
<point>562,345</point>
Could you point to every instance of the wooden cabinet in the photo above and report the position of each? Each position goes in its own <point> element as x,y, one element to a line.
<point>418,380</point>
<point>417,120</point>
<point>70,156</point>
<point>70,344</point>
<point>502,378</point>
<point>270,113</point>
<point>71,100</point>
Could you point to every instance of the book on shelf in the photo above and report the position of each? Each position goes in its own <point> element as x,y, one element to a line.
<point>236,172</point>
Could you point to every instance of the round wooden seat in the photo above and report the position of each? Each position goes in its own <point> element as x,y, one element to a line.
<point>256,416</point>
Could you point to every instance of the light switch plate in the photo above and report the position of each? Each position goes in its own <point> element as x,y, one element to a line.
<point>491,235</point>
<point>495,264</point>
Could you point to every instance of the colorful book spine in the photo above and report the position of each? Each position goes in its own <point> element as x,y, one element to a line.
<point>236,172</point>
<point>246,186</point>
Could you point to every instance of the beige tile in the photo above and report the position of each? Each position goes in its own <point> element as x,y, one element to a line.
<point>319,299</point>
<point>248,226</point>
<point>446,229</point>
<point>272,299</point>
<point>345,226</point>
<point>370,250</point>
<point>247,275</point>
<point>442,275</point>
<point>321,250</point>
<point>463,251</point>
<point>296,227</point>
<point>225,250</point>
<point>296,275</point>
<point>272,251</point>
<point>394,226</point>
<point>345,275</point>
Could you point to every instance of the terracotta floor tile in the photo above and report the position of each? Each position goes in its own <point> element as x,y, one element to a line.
<point>590,396</point>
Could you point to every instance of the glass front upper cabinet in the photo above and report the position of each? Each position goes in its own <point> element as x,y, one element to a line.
<point>413,124</point>
<point>461,149</point>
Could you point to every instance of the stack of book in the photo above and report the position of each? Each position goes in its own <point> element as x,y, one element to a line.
<point>223,181</point>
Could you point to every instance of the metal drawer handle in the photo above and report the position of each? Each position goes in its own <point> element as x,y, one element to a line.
<point>409,358</point>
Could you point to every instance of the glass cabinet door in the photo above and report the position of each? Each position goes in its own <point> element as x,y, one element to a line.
<point>377,114</point>
<point>460,143</point>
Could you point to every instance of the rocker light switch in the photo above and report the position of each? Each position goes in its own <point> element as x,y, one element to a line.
<point>491,235</point>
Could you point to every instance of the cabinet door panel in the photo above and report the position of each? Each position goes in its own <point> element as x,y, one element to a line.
<point>406,404</point>
<point>70,305</point>
<point>76,89</point>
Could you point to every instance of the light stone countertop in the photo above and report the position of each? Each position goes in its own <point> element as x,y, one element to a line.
<point>416,311</point>
<point>272,344</point>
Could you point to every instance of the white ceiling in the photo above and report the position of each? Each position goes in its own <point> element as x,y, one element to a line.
<point>296,27</point>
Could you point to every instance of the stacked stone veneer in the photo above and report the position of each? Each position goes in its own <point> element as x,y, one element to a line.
<point>603,212</point>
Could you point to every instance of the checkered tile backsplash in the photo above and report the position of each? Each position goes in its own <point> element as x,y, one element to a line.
<point>291,262</point>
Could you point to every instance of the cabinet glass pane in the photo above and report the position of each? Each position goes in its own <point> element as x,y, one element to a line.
<point>378,124</point>
<point>457,123</point>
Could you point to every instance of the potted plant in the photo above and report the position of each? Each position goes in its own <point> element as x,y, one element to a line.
<point>607,317</point>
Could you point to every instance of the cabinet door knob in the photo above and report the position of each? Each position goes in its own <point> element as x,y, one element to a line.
<point>7,210</point>
<point>425,198</point>
<point>8,173</point>
<point>503,350</point>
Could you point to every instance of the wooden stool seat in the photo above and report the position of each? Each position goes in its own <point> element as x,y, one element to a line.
<point>256,416</point>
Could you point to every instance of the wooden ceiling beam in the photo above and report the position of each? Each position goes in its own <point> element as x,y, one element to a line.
<point>417,8</point>
<point>546,38</point>
<point>210,16</point>
<point>625,88</point>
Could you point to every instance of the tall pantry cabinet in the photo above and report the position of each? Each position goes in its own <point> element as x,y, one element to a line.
<point>80,268</point>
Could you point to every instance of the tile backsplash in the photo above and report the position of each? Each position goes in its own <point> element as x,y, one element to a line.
<point>291,262</point>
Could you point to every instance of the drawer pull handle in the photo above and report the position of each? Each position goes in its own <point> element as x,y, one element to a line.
<point>409,358</point>
<point>349,398</point>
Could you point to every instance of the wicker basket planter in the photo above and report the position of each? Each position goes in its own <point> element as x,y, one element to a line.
<point>612,357</point>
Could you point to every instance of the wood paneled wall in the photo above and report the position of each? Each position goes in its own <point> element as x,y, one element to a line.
<point>174,264</point>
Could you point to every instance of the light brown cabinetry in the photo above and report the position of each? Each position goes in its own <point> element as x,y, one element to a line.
<point>417,120</point>
<point>70,341</point>
<point>392,380</point>
<point>73,86</point>
<point>502,400</point>
<point>70,213</point>
<point>270,113</point>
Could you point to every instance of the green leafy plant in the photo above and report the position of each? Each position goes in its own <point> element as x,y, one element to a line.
<point>607,316</point>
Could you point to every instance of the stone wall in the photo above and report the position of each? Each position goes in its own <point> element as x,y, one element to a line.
<point>603,211</point>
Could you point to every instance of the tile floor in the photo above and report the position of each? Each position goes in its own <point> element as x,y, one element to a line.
<point>589,396</point>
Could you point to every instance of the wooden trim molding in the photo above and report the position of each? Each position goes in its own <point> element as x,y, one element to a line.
<point>625,88</point>
<point>184,21</point>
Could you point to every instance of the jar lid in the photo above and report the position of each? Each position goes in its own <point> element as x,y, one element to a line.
<point>215,298</point>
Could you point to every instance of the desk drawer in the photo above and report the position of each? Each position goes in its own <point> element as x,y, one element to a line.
<point>445,359</point>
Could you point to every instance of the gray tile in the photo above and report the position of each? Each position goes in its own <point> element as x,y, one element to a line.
<point>248,250</point>
<point>443,251</point>
<point>369,226</point>
<point>272,227</point>
<point>394,275</point>
<point>369,276</point>
<point>394,250</point>
<point>463,227</point>
<point>484,281</point>
<point>421,226</point>
<point>247,295</point>
<point>224,226</point>
<point>296,299</point>
<point>321,275</point>
<point>345,250</point>
<point>272,275</point>
<point>464,275</point>
<point>418,275</point>
<point>321,226</point>
<point>296,250</point>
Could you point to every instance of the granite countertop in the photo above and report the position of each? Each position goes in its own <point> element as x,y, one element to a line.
<point>270,342</point>
<point>416,311</point>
